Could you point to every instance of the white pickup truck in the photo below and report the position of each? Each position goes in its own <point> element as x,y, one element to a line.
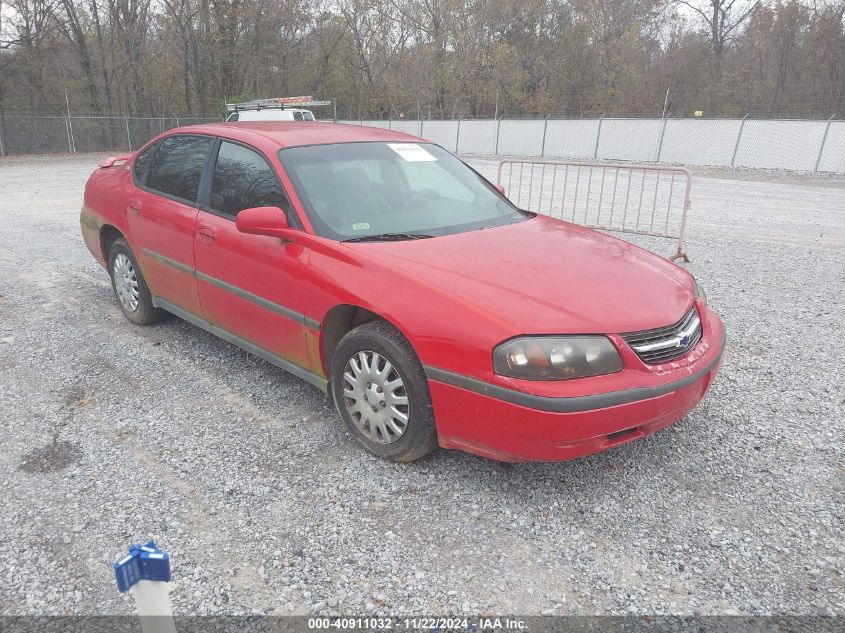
<point>276,109</point>
<point>271,114</point>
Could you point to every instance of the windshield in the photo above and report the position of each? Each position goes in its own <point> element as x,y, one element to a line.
<point>357,190</point>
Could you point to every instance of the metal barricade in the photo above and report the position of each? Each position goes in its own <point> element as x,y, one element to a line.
<point>648,200</point>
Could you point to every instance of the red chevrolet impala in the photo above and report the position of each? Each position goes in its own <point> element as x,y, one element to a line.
<point>388,273</point>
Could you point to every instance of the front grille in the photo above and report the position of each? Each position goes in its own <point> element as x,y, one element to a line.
<point>664,344</point>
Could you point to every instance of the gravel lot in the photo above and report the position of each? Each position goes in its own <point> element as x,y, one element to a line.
<point>115,434</point>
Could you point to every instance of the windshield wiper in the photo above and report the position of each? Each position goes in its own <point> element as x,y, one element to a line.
<point>389,237</point>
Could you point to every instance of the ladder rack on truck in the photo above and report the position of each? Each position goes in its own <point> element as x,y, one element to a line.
<point>279,103</point>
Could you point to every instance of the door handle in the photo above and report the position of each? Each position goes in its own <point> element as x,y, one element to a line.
<point>134,207</point>
<point>206,234</point>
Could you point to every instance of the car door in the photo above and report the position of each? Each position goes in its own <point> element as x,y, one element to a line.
<point>162,214</point>
<point>249,285</point>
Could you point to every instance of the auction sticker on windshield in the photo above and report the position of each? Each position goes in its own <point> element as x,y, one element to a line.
<point>411,152</point>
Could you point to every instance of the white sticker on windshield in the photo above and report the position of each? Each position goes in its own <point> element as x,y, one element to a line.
<point>360,226</point>
<point>412,152</point>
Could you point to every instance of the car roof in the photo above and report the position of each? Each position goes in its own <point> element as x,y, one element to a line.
<point>257,109</point>
<point>298,133</point>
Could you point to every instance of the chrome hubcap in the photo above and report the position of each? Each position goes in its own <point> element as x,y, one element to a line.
<point>125,282</point>
<point>375,397</point>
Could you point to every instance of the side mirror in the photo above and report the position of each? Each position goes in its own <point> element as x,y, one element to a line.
<point>501,189</point>
<point>270,221</point>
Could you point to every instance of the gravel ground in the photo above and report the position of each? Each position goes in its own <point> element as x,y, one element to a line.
<point>115,434</point>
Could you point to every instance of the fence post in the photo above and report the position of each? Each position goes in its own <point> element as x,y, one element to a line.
<point>660,142</point>
<point>598,136</point>
<point>67,131</point>
<point>70,125</point>
<point>738,137</point>
<point>818,159</point>
<point>2,123</point>
<point>498,127</point>
<point>128,136</point>
<point>543,144</point>
<point>390,123</point>
<point>458,134</point>
<point>72,138</point>
<point>421,127</point>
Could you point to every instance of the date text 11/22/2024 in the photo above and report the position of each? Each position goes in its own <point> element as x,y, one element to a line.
<point>418,624</point>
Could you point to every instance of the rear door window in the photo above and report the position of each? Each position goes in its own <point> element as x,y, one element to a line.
<point>242,180</point>
<point>178,165</point>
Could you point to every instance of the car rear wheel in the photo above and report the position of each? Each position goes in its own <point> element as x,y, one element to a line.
<point>381,392</point>
<point>130,288</point>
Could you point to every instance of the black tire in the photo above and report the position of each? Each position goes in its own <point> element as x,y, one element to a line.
<point>420,433</point>
<point>144,313</point>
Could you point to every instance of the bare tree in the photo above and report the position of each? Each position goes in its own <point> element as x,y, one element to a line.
<point>414,58</point>
<point>68,22</point>
<point>723,18</point>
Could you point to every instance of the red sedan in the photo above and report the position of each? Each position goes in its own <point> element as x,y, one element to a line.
<point>388,273</point>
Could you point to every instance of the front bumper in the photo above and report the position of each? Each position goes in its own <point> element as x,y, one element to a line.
<point>516,427</point>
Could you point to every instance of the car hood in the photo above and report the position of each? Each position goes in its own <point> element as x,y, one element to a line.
<point>545,276</point>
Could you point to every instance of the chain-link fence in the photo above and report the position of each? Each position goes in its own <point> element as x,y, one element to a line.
<point>800,145</point>
<point>27,134</point>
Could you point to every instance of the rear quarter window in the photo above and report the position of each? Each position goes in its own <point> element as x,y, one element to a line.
<point>139,169</point>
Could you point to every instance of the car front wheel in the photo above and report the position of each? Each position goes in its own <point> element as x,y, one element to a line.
<point>381,392</point>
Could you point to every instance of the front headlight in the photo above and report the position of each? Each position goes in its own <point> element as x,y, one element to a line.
<point>699,292</point>
<point>556,357</point>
